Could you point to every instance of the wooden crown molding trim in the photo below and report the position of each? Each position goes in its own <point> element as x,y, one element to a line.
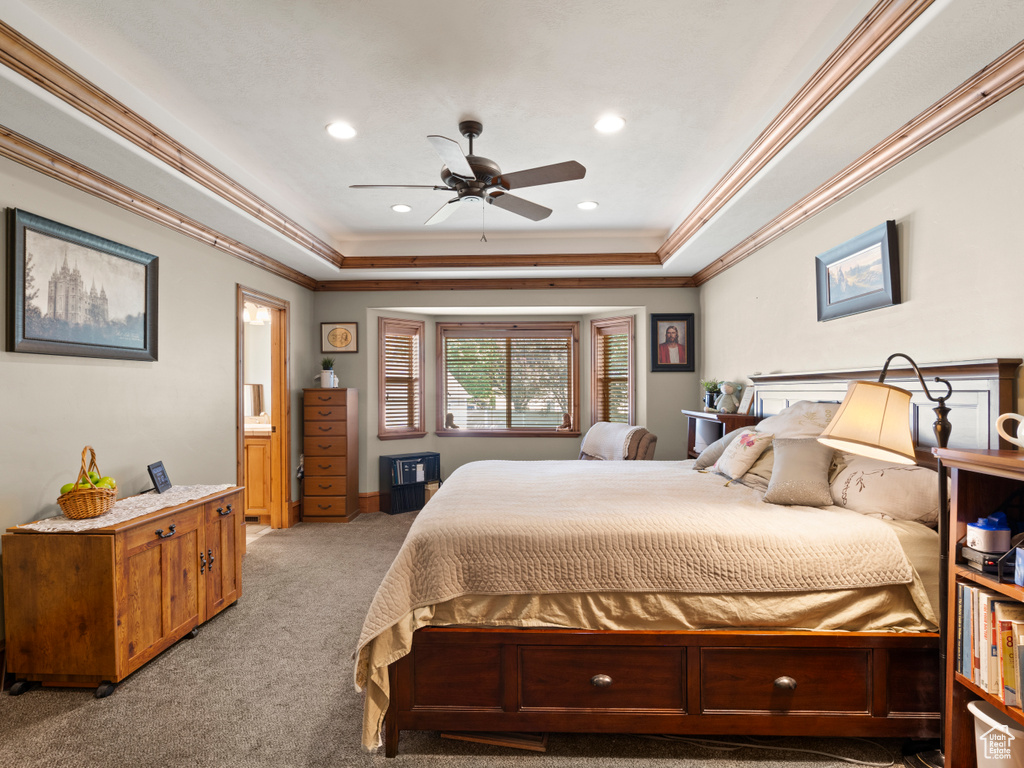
<point>883,24</point>
<point>503,260</point>
<point>999,79</point>
<point>29,60</point>
<point>32,155</point>
<point>505,284</point>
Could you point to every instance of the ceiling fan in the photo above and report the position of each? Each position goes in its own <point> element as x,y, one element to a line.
<point>476,179</point>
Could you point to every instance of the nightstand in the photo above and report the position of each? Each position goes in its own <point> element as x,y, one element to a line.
<point>711,427</point>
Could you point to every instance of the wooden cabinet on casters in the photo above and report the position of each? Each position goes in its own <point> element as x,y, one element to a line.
<point>88,608</point>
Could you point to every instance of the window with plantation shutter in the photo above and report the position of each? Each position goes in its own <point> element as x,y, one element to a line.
<point>400,397</point>
<point>611,385</point>
<point>508,379</point>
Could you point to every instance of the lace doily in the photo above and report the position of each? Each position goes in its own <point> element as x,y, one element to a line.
<point>126,509</point>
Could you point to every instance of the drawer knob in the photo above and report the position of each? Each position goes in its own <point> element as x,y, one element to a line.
<point>600,681</point>
<point>785,683</point>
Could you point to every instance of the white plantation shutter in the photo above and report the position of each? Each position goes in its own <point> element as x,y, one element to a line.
<point>612,383</point>
<point>501,377</point>
<point>401,378</point>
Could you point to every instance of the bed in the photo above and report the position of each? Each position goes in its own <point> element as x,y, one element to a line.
<point>653,597</point>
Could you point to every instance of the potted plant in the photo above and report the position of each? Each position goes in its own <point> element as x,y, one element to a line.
<point>711,391</point>
<point>327,377</point>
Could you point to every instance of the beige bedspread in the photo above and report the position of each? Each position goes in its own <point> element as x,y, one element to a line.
<point>623,538</point>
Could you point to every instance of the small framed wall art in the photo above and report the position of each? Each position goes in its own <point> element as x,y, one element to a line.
<point>339,337</point>
<point>860,275</point>
<point>672,342</point>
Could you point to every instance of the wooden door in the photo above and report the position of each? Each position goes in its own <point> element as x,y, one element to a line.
<point>163,585</point>
<point>223,555</point>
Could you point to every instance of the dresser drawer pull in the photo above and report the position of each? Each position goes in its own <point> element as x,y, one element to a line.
<point>325,429</point>
<point>785,683</point>
<point>224,512</point>
<point>600,681</point>
<point>170,532</point>
<point>324,413</point>
<point>324,506</point>
<point>325,486</point>
<point>324,466</point>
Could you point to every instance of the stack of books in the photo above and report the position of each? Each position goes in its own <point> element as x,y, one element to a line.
<point>990,641</point>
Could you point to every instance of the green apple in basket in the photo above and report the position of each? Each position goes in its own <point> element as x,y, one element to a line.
<point>107,482</point>
<point>66,487</point>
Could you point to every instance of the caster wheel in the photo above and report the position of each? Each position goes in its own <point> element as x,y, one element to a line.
<point>194,633</point>
<point>20,686</point>
<point>104,689</point>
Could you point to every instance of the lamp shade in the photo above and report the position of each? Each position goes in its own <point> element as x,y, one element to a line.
<point>873,420</point>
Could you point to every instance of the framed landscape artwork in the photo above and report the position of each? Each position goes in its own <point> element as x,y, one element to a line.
<point>73,293</point>
<point>859,275</point>
<point>672,342</point>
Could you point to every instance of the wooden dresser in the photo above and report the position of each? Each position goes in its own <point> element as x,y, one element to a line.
<point>88,608</point>
<point>330,447</point>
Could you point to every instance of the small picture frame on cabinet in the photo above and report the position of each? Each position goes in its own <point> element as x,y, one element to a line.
<point>157,473</point>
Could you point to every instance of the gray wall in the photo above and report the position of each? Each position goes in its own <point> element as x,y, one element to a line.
<point>660,396</point>
<point>958,205</point>
<point>179,410</point>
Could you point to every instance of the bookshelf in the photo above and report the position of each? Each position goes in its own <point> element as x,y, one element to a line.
<point>981,481</point>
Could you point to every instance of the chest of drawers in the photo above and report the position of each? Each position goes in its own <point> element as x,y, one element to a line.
<point>330,447</point>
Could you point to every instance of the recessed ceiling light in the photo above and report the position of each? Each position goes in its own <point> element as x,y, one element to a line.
<point>587,205</point>
<point>610,124</point>
<point>341,130</point>
<point>401,208</point>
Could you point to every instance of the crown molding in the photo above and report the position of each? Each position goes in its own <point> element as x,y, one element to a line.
<point>35,156</point>
<point>504,260</point>
<point>883,24</point>
<point>505,284</point>
<point>32,62</point>
<point>999,79</point>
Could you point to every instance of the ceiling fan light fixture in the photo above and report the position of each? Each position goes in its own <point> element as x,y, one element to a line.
<point>401,208</point>
<point>610,124</point>
<point>587,205</point>
<point>341,130</point>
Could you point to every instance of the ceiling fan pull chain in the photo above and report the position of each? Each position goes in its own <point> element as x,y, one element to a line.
<point>483,233</point>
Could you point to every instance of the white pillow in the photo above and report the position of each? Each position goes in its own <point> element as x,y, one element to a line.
<point>898,491</point>
<point>742,452</point>
<point>801,419</point>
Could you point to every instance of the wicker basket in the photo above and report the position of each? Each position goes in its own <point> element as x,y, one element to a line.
<point>81,503</point>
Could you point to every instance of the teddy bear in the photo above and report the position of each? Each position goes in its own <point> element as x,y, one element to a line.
<point>727,402</point>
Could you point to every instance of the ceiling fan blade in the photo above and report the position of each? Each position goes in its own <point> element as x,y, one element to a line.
<point>451,155</point>
<point>443,212</point>
<point>545,174</point>
<point>397,186</point>
<point>519,205</point>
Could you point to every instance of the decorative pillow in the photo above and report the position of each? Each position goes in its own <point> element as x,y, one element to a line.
<point>742,452</point>
<point>801,419</point>
<point>900,491</point>
<point>713,452</point>
<point>800,473</point>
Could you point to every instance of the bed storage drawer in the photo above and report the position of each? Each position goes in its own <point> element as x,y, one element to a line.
<point>619,678</point>
<point>785,680</point>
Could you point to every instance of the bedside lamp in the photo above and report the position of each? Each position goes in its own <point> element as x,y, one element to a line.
<point>874,420</point>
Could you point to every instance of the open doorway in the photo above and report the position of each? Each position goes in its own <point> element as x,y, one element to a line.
<point>264,450</point>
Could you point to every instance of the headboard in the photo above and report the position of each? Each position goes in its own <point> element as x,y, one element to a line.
<point>982,390</point>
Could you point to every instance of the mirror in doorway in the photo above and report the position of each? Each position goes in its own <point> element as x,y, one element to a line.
<point>252,403</point>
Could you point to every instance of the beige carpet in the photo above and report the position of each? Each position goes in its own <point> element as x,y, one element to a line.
<point>269,683</point>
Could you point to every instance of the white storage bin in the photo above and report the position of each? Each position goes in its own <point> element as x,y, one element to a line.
<point>998,740</point>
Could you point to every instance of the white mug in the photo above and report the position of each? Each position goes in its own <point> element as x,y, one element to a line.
<point>1019,438</point>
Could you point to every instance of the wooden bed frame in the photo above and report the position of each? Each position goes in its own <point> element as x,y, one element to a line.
<point>714,682</point>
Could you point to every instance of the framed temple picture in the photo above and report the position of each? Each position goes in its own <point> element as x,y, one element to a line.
<point>339,337</point>
<point>860,275</point>
<point>672,342</point>
<point>73,293</point>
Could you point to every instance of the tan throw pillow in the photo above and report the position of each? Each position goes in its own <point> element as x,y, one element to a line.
<point>800,474</point>
<point>742,452</point>
<point>714,452</point>
<point>801,419</point>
